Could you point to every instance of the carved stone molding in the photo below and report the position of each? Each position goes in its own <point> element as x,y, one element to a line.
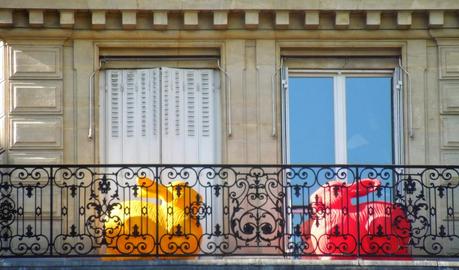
<point>169,19</point>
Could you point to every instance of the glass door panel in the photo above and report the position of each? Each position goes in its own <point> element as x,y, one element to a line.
<point>310,138</point>
<point>370,128</point>
<point>311,120</point>
<point>369,120</point>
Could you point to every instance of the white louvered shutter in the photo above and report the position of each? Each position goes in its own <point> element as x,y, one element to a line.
<point>207,124</point>
<point>130,116</point>
<point>154,117</point>
<point>191,110</point>
<point>133,101</point>
<point>114,116</point>
<point>183,131</point>
<point>172,114</point>
<point>189,116</point>
<point>147,117</point>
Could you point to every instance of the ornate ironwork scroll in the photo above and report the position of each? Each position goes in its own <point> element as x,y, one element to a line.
<point>172,211</point>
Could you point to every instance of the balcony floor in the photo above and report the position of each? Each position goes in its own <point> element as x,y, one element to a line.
<point>233,263</point>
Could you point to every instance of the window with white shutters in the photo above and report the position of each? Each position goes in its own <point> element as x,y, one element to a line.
<point>161,115</point>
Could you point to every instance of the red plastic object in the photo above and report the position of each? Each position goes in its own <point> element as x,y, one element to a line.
<point>337,224</point>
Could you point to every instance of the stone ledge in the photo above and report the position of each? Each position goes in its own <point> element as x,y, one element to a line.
<point>239,263</point>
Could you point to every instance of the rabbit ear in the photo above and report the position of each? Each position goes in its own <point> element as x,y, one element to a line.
<point>365,186</point>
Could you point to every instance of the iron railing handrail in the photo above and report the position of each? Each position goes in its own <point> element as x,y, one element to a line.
<point>269,165</point>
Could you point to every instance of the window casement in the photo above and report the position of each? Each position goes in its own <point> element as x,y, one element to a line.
<point>342,109</point>
<point>342,117</point>
<point>338,116</point>
<point>158,112</point>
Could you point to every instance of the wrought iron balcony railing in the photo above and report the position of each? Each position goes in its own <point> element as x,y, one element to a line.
<point>169,211</point>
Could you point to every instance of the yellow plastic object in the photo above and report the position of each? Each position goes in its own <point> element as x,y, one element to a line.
<point>133,226</point>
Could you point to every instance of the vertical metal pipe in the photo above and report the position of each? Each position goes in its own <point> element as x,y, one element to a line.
<point>273,100</point>
<point>410,101</point>
<point>91,106</point>
<point>91,102</point>
<point>228,101</point>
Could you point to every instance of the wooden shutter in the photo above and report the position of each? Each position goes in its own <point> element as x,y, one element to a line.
<point>147,139</point>
<point>154,116</point>
<point>172,115</point>
<point>132,116</point>
<point>207,117</point>
<point>168,111</point>
<point>191,102</point>
<point>189,116</point>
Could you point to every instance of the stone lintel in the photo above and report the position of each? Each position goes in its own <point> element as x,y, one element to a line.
<point>404,19</point>
<point>36,17</point>
<point>129,19</point>
<point>252,19</point>
<point>342,19</point>
<point>190,19</point>
<point>373,19</point>
<point>160,19</point>
<point>436,18</point>
<point>98,20</point>
<point>6,17</point>
<point>311,19</point>
<point>220,19</point>
<point>67,18</point>
<point>282,19</point>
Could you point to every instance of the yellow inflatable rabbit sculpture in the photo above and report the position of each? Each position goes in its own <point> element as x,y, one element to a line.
<point>134,226</point>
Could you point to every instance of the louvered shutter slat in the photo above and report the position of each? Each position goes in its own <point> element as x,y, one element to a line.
<point>114,150</point>
<point>130,116</point>
<point>191,137</point>
<point>178,101</point>
<point>143,92</point>
<point>190,98</point>
<point>153,119</point>
<point>172,115</point>
<point>207,127</point>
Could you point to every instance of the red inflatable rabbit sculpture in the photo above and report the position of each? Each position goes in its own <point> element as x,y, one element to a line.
<point>382,227</point>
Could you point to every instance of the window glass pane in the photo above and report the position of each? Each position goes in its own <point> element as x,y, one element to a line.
<point>311,140</point>
<point>369,120</point>
<point>311,131</point>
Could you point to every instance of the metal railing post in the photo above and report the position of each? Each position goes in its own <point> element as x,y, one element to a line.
<point>51,199</point>
<point>157,242</point>
<point>357,179</point>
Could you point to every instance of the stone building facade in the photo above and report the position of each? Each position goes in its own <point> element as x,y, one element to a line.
<point>51,49</point>
<point>63,60</point>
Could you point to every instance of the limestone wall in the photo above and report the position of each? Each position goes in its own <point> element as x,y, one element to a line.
<point>51,49</point>
<point>50,53</point>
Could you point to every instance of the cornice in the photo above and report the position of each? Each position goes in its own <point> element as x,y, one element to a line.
<point>192,15</point>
